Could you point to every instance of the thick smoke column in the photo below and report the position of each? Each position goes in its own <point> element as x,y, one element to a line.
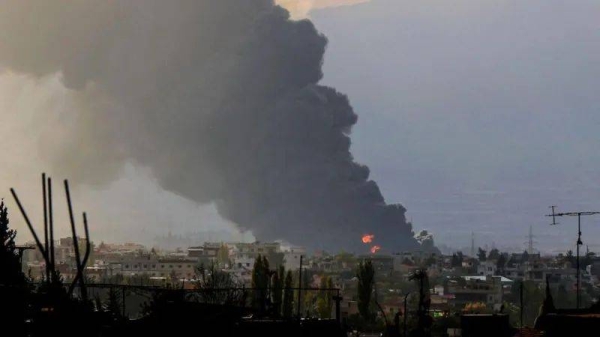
<point>219,98</point>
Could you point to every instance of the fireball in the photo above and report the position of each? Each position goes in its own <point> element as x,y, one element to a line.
<point>368,238</point>
<point>374,249</point>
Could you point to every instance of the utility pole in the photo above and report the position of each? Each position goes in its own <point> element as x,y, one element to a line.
<point>473,244</point>
<point>530,242</point>
<point>338,299</point>
<point>579,242</point>
<point>300,287</point>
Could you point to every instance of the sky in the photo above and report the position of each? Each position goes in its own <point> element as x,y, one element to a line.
<point>300,9</point>
<point>475,115</point>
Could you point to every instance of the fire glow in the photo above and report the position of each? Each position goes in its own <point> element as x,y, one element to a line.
<point>374,249</point>
<point>368,238</point>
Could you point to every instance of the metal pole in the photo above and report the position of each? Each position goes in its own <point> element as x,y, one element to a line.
<point>300,287</point>
<point>338,315</point>
<point>51,226</point>
<point>73,230</point>
<point>33,233</point>
<point>123,304</point>
<point>88,248</point>
<point>75,243</point>
<point>579,243</point>
<point>421,304</point>
<point>521,301</point>
<point>21,257</point>
<point>405,312</point>
<point>48,263</point>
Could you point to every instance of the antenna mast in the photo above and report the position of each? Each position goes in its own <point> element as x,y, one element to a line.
<point>530,249</point>
<point>472,244</point>
<point>579,242</point>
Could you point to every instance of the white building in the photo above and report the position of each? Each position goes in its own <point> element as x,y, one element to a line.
<point>487,268</point>
<point>243,261</point>
<point>180,268</point>
<point>292,258</point>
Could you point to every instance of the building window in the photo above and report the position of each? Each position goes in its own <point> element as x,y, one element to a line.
<point>153,266</point>
<point>126,266</point>
<point>179,266</point>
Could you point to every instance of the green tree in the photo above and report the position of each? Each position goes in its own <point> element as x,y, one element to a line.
<point>277,291</point>
<point>260,283</point>
<point>309,303</point>
<point>325,300</point>
<point>114,305</point>
<point>308,298</point>
<point>345,258</point>
<point>454,261</point>
<point>173,277</point>
<point>329,300</point>
<point>366,281</point>
<point>533,298</point>
<point>481,254</point>
<point>276,259</point>
<point>564,300</point>
<point>494,254</point>
<point>430,261</point>
<point>570,258</point>
<point>457,259</point>
<point>288,295</point>
<point>525,256</point>
<point>501,263</point>
<point>13,283</point>
<point>9,260</point>
<point>217,286</point>
<point>223,255</point>
<point>421,279</point>
<point>322,309</point>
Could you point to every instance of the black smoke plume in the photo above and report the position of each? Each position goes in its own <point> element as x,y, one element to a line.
<point>219,98</point>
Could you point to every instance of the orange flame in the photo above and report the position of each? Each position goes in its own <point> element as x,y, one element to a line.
<point>374,249</point>
<point>368,238</point>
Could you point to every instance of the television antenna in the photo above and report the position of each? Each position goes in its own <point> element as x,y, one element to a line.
<point>579,242</point>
